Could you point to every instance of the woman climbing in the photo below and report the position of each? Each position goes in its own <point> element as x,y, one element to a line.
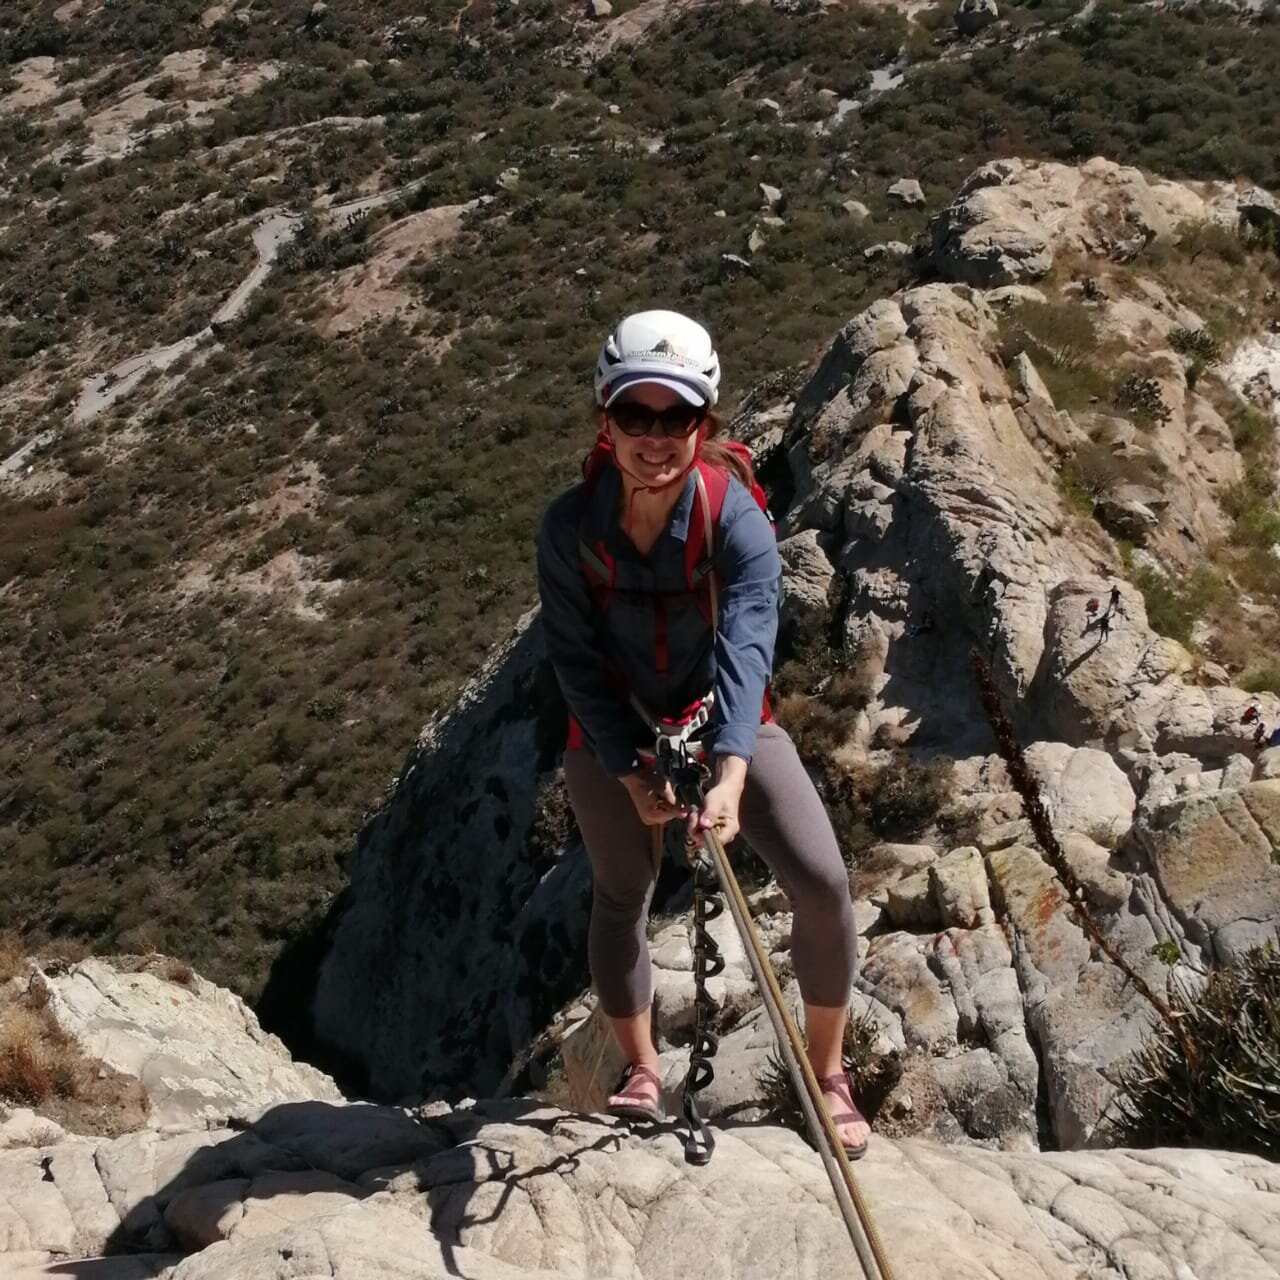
<point>633,642</point>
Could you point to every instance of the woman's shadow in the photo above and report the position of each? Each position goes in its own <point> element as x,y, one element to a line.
<point>337,1155</point>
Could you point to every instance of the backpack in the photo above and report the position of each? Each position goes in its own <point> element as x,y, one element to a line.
<point>712,484</point>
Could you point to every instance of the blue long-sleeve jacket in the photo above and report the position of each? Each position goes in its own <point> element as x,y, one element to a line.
<point>583,642</point>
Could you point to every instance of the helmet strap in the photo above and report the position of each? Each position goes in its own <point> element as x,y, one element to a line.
<point>639,485</point>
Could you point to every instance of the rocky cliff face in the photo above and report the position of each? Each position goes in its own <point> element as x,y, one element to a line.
<point>927,517</point>
<point>461,937</point>
<point>253,1168</point>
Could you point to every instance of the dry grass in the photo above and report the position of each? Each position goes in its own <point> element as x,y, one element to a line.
<point>44,1068</point>
<point>37,1059</point>
<point>871,1073</point>
<point>12,957</point>
<point>555,1090</point>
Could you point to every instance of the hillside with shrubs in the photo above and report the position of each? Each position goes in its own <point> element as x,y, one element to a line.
<point>232,593</point>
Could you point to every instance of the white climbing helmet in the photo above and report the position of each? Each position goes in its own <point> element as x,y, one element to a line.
<point>663,347</point>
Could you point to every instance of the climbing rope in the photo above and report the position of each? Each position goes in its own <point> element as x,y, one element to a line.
<point>853,1206</point>
<point>688,774</point>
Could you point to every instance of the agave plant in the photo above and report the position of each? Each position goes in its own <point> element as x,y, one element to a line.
<point>1229,1097</point>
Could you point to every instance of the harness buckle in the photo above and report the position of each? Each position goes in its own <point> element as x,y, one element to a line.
<point>678,755</point>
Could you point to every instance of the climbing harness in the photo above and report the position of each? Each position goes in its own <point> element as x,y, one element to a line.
<point>684,765</point>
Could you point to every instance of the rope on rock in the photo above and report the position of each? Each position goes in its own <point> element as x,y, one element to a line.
<point>688,774</point>
<point>853,1206</point>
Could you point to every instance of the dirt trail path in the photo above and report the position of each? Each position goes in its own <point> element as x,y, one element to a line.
<point>274,231</point>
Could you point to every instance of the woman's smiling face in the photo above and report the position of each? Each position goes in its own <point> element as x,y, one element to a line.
<point>655,459</point>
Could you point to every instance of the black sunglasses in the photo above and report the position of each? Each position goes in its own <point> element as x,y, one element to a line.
<point>634,419</point>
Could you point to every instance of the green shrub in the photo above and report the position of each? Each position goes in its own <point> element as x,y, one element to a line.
<point>1265,679</point>
<point>1229,1097</point>
<point>1138,395</point>
<point>908,795</point>
<point>1252,431</point>
<point>1095,468</point>
<point>1255,513</point>
<point>1174,607</point>
<point>1197,343</point>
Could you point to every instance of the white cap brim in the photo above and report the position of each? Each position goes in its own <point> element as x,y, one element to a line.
<point>689,394</point>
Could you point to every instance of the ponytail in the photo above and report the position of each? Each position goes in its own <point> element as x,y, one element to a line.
<point>719,456</point>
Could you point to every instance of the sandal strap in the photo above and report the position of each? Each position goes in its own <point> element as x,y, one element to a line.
<point>643,1074</point>
<point>833,1084</point>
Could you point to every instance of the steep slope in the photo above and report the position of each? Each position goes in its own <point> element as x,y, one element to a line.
<point>231,598</point>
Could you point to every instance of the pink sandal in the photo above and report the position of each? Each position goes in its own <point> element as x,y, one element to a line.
<point>637,1096</point>
<point>842,1087</point>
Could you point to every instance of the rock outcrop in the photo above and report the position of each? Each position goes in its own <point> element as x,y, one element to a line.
<point>515,1190</point>
<point>196,1048</point>
<point>925,519</point>
<point>458,941</point>
<point>1011,216</point>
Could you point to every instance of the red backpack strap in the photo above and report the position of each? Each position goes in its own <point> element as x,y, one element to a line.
<point>710,484</point>
<point>741,451</point>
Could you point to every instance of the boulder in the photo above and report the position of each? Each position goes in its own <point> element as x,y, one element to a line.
<point>1029,380</point>
<point>1084,789</point>
<point>1130,511</point>
<point>1213,857</point>
<point>772,195</point>
<point>909,903</point>
<point>1010,216</point>
<point>889,249</point>
<point>197,1049</point>
<point>856,209</point>
<point>973,16</point>
<point>896,971</point>
<point>958,887</point>
<point>1081,1012</point>
<point>808,576</point>
<point>908,191</point>
<point>599,9</point>
<point>22,1127</point>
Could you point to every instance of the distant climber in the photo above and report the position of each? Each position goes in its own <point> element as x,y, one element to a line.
<point>658,579</point>
<point>1104,626</point>
<point>1259,734</point>
<point>1091,608</point>
<point>1114,604</point>
<point>1274,739</point>
<point>1250,715</point>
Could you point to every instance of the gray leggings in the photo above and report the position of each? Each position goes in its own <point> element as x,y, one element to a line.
<point>784,822</point>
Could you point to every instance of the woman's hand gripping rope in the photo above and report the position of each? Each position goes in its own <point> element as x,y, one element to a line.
<point>719,811</point>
